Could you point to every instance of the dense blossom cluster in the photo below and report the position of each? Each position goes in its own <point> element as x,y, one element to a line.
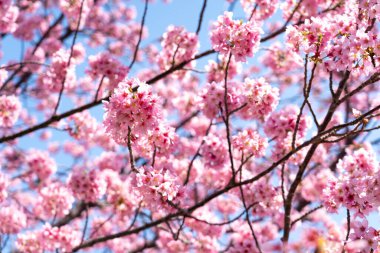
<point>178,45</point>
<point>12,220</point>
<point>104,65</point>
<point>4,183</point>
<point>356,187</point>
<point>119,193</point>
<point>249,142</point>
<point>260,98</point>
<point>337,42</point>
<point>55,200</point>
<point>48,238</point>
<point>242,241</point>
<point>364,237</point>
<point>58,74</point>
<point>129,110</point>
<point>281,62</point>
<point>157,186</point>
<point>212,98</point>
<point>86,184</point>
<point>216,70</point>
<point>110,160</point>
<point>232,36</point>
<point>75,10</point>
<point>284,121</point>
<point>41,164</point>
<point>84,126</point>
<point>10,109</point>
<point>214,151</point>
<point>9,14</point>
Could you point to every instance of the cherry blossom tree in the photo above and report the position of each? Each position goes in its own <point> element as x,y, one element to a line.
<point>262,139</point>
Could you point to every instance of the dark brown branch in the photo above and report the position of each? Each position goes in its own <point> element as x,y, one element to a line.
<point>201,16</point>
<point>289,200</point>
<point>99,87</point>
<point>85,225</point>
<point>374,78</point>
<point>224,222</point>
<point>186,120</point>
<point>130,150</point>
<point>23,64</point>
<point>247,215</point>
<point>140,35</point>
<point>227,116</point>
<point>306,214</point>
<point>348,230</point>
<point>74,213</point>
<point>178,66</point>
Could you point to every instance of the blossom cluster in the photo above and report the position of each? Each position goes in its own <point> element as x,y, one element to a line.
<point>254,99</point>
<point>12,220</point>
<point>260,98</point>
<point>356,187</point>
<point>259,10</point>
<point>337,41</point>
<point>75,10</point>
<point>88,185</point>
<point>178,45</point>
<point>104,65</point>
<point>9,14</point>
<point>212,98</point>
<point>157,186</point>
<point>10,109</point>
<point>214,151</point>
<point>216,71</point>
<point>283,122</point>
<point>55,200</point>
<point>58,74</point>
<point>4,183</point>
<point>48,238</point>
<point>232,36</point>
<point>41,164</point>
<point>250,143</point>
<point>84,126</point>
<point>129,110</point>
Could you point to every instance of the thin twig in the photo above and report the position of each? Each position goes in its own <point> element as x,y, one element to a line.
<point>140,35</point>
<point>131,159</point>
<point>348,230</point>
<point>70,57</point>
<point>306,214</point>
<point>196,155</point>
<point>201,16</point>
<point>227,116</point>
<point>99,87</point>
<point>85,225</point>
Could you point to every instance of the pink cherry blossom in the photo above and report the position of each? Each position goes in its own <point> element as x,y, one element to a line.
<point>41,164</point>
<point>10,109</point>
<point>231,36</point>
<point>12,219</point>
<point>127,109</point>
<point>86,184</point>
